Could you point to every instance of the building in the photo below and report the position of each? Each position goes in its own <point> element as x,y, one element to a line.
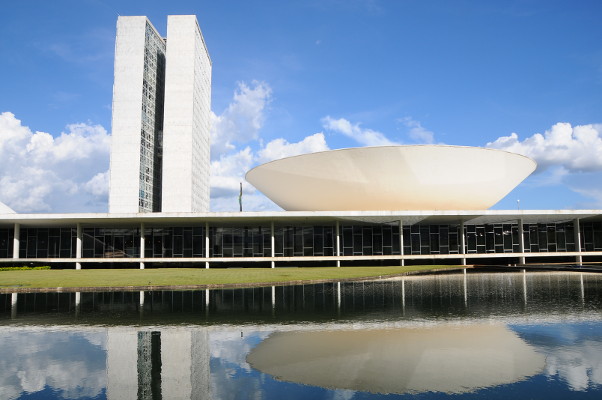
<point>161,117</point>
<point>384,178</point>
<point>392,205</point>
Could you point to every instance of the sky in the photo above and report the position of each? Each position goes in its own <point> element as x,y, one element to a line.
<point>291,77</point>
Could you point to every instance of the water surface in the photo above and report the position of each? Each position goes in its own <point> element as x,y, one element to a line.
<point>533,335</point>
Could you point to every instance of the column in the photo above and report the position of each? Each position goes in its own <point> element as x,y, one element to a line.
<point>273,244</point>
<point>521,241</point>
<point>17,234</point>
<point>338,244</point>
<point>207,244</point>
<point>78,246</point>
<point>142,244</point>
<point>401,261</point>
<point>462,242</point>
<point>577,228</point>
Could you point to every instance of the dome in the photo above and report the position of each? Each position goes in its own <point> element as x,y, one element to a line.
<point>4,209</point>
<point>392,178</point>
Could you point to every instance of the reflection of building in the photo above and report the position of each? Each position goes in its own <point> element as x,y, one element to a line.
<point>161,111</point>
<point>170,364</point>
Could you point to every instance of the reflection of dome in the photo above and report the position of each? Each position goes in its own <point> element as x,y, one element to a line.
<point>392,178</point>
<point>4,209</point>
<point>451,359</point>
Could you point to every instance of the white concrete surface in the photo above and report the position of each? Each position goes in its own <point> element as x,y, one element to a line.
<point>425,177</point>
<point>186,137</point>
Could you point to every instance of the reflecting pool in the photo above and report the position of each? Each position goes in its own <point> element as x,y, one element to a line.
<point>521,335</point>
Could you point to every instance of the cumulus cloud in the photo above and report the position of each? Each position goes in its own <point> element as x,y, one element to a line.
<point>417,132</point>
<point>42,173</point>
<point>279,148</point>
<point>566,155</point>
<point>240,125</point>
<point>243,118</point>
<point>576,149</point>
<point>365,137</point>
<point>228,172</point>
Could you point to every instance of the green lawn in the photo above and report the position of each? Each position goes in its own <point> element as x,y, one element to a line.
<point>189,276</point>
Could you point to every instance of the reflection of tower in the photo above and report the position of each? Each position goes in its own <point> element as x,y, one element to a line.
<point>171,364</point>
<point>185,358</point>
<point>149,365</point>
<point>122,357</point>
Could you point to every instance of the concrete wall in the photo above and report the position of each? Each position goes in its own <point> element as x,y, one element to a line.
<point>187,118</point>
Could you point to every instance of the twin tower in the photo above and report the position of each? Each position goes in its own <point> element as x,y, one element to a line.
<point>160,151</point>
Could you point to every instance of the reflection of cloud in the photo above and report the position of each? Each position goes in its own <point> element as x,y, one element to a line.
<point>579,365</point>
<point>231,375</point>
<point>572,352</point>
<point>231,348</point>
<point>72,364</point>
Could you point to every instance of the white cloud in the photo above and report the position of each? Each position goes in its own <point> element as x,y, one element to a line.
<point>229,171</point>
<point>365,137</point>
<point>566,155</point>
<point>577,149</point>
<point>240,125</point>
<point>280,148</point>
<point>241,121</point>
<point>417,132</point>
<point>42,173</point>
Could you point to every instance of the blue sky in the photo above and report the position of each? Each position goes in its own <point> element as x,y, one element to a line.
<point>297,76</point>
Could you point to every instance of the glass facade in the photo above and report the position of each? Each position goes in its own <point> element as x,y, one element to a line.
<point>6,243</point>
<point>299,240</point>
<point>369,240</point>
<point>246,241</point>
<point>151,142</point>
<point>110,242</point>
<point>47,243</point>
<point>168,242</point>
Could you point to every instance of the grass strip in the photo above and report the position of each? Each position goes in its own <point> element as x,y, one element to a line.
<point>123,278</point>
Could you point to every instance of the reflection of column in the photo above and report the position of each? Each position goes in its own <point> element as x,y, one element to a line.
<point>273,242</point>
<point>142,244</point>
<point>525,286</point>
<point>273,299</point>
<point>577,229</point>
<point>78,298</point>
<point>142,297</point>
<point>465,290</point>
<point>402,262</point>
<point>206,302</point>
<point>582,289</point>
<point>122,357</point>
<point>403,295</point>
<point>78,246</point>
<point>207,244</point>
<point>339,297</point>
<point>462,243</point>
<point>338,244</point>
<point>13,305</point>
<point>16,236</point>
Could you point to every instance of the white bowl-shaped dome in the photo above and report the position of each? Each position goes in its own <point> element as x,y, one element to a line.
<point>423,177</point>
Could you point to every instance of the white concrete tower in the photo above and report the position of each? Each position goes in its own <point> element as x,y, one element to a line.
<point>138,91</point>
<point>186,139</point>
